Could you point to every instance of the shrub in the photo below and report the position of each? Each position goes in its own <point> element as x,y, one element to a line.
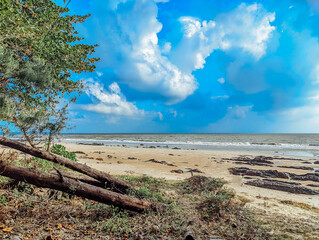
<point>61,150</point>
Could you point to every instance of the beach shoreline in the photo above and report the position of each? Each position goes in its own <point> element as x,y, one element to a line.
<point>269,205</point>
<point>160,162</point>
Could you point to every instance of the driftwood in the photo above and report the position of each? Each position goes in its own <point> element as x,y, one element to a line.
<point>106,179</point>
<point>68,185</point>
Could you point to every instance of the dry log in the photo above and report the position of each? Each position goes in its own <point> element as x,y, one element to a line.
<point>107,180</point>
<point>82,178</point>
<point>68,185</point>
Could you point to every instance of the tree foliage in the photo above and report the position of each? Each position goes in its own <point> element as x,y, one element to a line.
<point>39,51</point>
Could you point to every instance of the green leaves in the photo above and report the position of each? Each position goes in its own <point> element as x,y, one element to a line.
<point>39,51</point>
<point>61,150</point>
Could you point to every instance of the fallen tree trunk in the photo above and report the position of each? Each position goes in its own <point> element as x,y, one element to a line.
<point>78,177</point>
<point>68,185</point>
<point>108,180</point>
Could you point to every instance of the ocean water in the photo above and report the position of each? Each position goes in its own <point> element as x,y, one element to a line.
<point>282,144</point>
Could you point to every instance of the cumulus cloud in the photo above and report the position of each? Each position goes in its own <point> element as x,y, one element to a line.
<point>131,47</point>
<point>248,28</point>
<point>111,102</point>
<point>128,40</point>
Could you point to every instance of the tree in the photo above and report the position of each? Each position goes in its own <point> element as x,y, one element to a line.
<point>39,51</point>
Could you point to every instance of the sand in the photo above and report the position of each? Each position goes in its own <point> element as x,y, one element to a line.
<point>133,161</point>
<point>268,203</point>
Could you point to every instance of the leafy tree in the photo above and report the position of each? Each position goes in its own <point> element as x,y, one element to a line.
<point>39,51</point>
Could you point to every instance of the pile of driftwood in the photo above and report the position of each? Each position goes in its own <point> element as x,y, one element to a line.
<point>95,185</point>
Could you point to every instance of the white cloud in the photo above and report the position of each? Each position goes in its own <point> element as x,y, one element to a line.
<point>128,39</point>
<point>239,111</point>
<point>221,80</point>
<point>114,87</point>
<point>247,28</point>
<point>167,48</point>
<point>99,73</point>
<point>174,112</point>
<point>132,50</point>
<point>300,119</point>
<point>110,102</point>
<point>160,116</point>
<point>220,97</point>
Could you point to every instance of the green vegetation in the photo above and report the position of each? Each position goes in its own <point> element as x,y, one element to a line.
<point>212,212</point>
<point>39,163</point>
<point>39,51</point>
<point>61,150</point>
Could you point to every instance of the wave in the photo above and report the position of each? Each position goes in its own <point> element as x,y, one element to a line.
<point>195,143</point>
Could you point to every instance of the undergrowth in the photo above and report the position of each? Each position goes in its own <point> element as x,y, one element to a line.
<point>203,203</point>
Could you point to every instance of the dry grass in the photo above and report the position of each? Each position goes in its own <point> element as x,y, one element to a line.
<point>35,213</point>
<point>203,203</point>
<point>301,205</point>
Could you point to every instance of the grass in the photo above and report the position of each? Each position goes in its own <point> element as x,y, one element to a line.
<point>301,205</point>
<point>214,212</point>
<point>204,204</point>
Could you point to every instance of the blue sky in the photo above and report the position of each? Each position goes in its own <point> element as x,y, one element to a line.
<point>205,66</point>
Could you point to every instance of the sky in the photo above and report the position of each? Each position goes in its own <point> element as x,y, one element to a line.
<point>200,66</point>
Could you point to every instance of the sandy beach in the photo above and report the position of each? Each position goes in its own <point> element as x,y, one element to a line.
<point>140,161</point>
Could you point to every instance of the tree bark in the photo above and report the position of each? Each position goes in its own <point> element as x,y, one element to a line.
<point>68,185</point>
<point>107,180</point>
<point>78,177</point>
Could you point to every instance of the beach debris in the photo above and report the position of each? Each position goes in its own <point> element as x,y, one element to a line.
<point>186,170</point>
<point>306,162</point>
<point>316,162</point>
<point>177,171</point>
<point>91,144</point>
<point>258,160</point>
<point>313,185</point>
<point>99,159</point>
<point>298,167</point>
<point>99,152</point>
<point>119,162</point>
<point>155,229</point>
<point>190,232</point>
<point>79,152</point>
<point>274,174</point>
<point>161,162</point>
<point>175,148</point>
<point>171,154</point>
<point>132,158</point>
<point>282,186</point>
<point>63,183</point>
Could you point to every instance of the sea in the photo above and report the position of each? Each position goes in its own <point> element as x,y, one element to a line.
<point>279,144</point>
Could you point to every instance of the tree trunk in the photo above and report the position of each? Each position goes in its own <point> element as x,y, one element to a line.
<point>78,177</point>
<point>68,185</point>
<point>108,180</point>
<point>49,141</point>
